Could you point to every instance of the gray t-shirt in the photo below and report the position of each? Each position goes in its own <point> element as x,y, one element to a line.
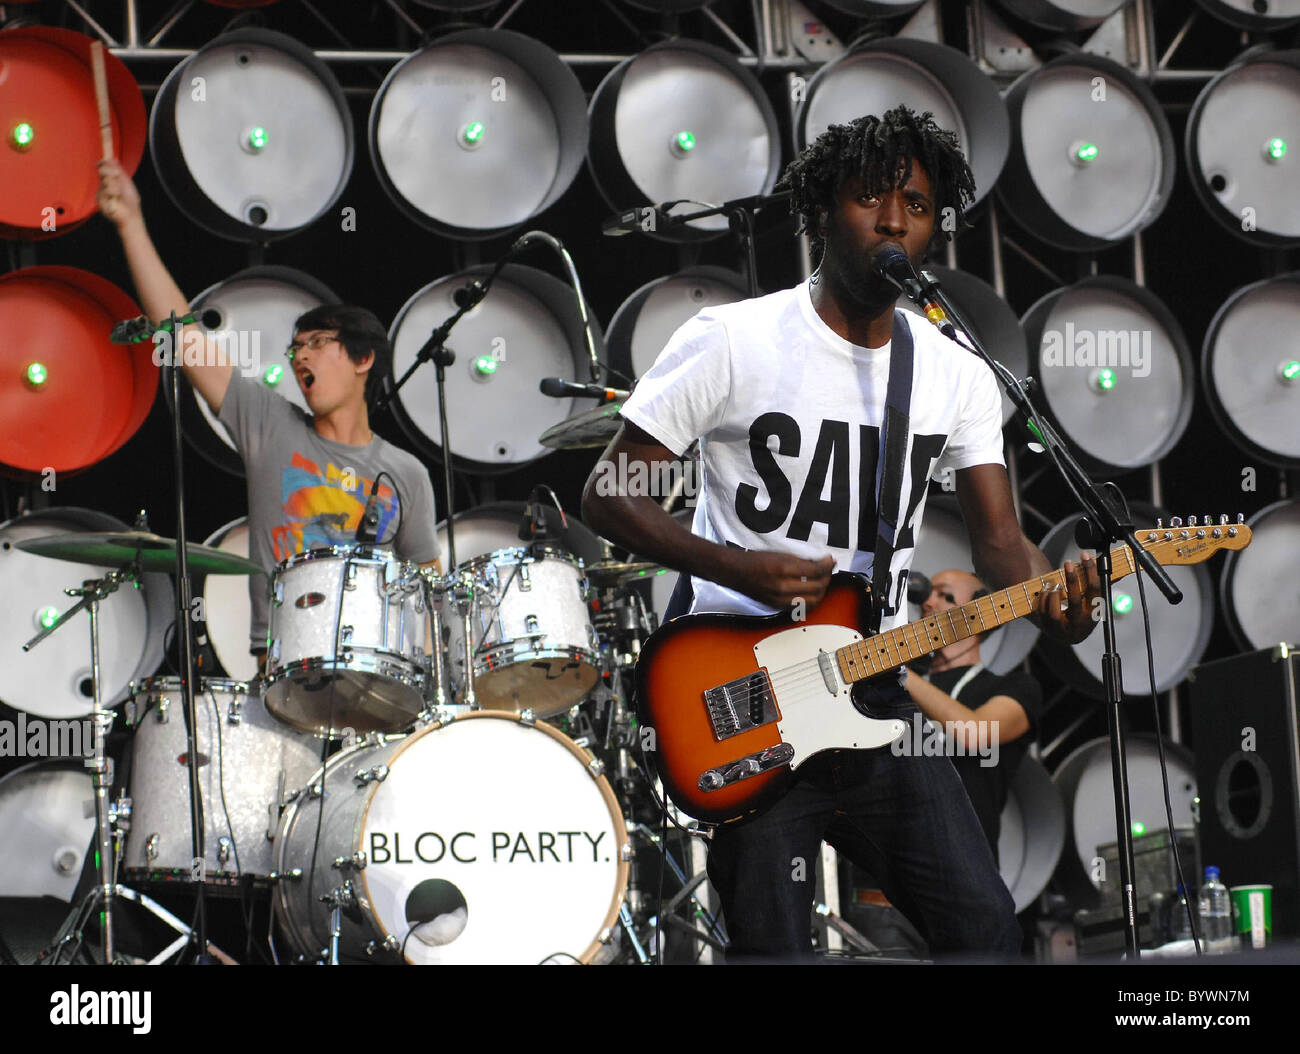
<point>307,492</point>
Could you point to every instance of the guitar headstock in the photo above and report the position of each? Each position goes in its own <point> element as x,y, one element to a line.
<point>1195,541</point>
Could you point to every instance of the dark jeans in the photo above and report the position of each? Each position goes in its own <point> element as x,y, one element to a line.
<point>906,819</point>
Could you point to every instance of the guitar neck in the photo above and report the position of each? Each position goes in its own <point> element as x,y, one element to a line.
<point>887,651</point>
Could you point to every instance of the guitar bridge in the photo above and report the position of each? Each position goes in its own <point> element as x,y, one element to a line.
<point>744,768</point>
<point>740,705</point>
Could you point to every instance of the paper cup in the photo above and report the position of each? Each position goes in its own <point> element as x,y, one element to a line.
<point>1252,913</point>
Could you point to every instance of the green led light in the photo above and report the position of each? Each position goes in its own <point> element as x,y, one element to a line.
<point>47,617</point>
<point>472,133</point>
<point>1275,148</point>
<point>37,374</point>
<point>1086,152</point>
<point>1123,604</point>
<point>1139,828</point>
<point>1290,370</point>
<point>485,365</point>
<point>257,138</point>
<point>271,376</point>
<point>22,137</point>
<point>685,141</point>
<point>1106,380</point>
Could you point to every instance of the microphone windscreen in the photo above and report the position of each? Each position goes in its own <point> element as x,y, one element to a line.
<point>891,256</point>
<point>918,587</point>
<point>556,387</point>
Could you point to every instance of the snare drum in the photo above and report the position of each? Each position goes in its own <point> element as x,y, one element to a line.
<point>443,860</point>
<point>347,637</point>
<point>534,645</point>
<point>248,764</point>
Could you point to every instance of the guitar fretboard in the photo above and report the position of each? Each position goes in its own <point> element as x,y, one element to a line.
<point>887,651</point>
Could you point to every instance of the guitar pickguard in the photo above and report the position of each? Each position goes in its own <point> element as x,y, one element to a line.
<point>812,716</point>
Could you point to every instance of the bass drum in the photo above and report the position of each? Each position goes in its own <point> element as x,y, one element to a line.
<point>53,679</point>
<point>47,821</point>
<point>227,606</point>
<point>446,860</point>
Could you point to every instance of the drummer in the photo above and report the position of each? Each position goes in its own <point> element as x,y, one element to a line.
<point>309,476</point>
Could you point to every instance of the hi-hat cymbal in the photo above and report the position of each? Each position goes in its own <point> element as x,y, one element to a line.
<point>155,553</point>
<point>591,428</point>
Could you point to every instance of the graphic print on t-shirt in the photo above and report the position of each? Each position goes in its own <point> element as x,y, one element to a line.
<point>324,507</point>
<point>775,505</point>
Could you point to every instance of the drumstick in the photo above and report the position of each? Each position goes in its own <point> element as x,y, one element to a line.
<point>101,98</point>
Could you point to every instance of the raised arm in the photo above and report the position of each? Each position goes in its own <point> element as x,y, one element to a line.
<point>159,295</point>
<point>638,523</point>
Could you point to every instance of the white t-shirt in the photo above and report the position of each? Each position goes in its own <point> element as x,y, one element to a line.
<point>788,416</point>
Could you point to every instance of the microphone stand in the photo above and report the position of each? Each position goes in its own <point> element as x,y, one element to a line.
<point>740,212</point>
<point>1102,526</point>
<point>185,637</point>
<point>435,350</point>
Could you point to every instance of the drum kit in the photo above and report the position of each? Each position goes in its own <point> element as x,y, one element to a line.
<point>450,758</point>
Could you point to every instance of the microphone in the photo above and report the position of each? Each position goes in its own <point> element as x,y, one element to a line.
<point>538,523</point>
<point>469,295</point>
<point>892,264</point>
<point>368,528</point>
<point>142,328</point>
<point>918,587</point>
<point>630,221</point>
<point>131,330</point>
<point>559,388</point>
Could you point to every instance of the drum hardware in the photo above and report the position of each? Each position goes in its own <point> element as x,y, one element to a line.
<point>92,591</point>
<point>135,552</point>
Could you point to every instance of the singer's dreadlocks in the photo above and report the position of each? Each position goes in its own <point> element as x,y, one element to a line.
<point>880,150</point>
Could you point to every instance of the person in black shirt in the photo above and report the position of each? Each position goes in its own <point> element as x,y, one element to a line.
<point>997,714</point>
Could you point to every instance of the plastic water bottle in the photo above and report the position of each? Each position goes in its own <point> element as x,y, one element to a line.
<point>1215,914</point>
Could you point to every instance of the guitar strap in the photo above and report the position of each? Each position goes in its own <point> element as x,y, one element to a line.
<point>889,461</point>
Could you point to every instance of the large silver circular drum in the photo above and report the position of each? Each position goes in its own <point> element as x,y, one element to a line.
<point>532,642</point>
<point>483,840</point>
<point>248,764</point>
<point>347,639</point>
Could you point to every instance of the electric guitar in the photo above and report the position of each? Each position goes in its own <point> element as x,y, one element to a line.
<point>738,702</point>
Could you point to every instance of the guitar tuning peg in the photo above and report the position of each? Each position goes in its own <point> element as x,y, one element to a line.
<point>1241,518</point>
<point>1159,522</point>
<point>1175,521</point>
<point>1223,518</point>
<point>1191,521</point>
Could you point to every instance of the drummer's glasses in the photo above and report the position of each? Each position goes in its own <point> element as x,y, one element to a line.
<point>313,344</point>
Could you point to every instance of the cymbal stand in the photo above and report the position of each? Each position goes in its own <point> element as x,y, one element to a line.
<point>92,591</point>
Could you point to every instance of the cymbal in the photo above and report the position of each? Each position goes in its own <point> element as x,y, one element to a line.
<point>116,548</point>
<point>591,428</point>
<point>616,572</point>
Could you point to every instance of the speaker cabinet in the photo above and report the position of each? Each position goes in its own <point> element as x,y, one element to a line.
<point>1244,720</point>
